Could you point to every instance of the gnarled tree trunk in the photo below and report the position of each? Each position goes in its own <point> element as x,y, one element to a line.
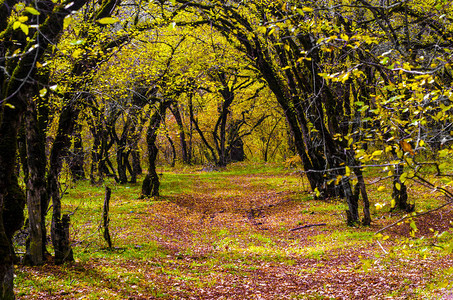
<point>150,186</point>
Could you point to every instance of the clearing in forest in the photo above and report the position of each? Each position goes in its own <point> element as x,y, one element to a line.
<point>239,233</point>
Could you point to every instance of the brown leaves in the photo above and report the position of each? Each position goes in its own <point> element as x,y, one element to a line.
<point>406,147</point>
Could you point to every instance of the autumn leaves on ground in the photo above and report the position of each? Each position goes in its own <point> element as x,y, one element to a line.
<point>239,233</point>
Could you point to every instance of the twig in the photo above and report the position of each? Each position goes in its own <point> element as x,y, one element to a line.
<point>380,245</point>
<point>413,216</point>
<point>307,226</point>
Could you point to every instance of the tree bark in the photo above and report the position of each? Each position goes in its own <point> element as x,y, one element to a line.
<point>106,218</point>
<point>77,159</point>
<point>150,186</point>
<point>37,195</point>
<point>400,194</point>
<point>12,198</point>
<point>182,136</point>
<point>60,147</point>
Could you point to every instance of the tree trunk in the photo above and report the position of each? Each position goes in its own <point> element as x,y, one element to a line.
<point>150,186</point>
<point>95,157</point>
<point>129,168</point>
<point>173,150</point>
<point>60,147</point>
<point>37,196</point>
<point>352,199</point>
<point>182,136</point>
<point>77,159</point>
<point>366,202</point>
<point>136,165</point>
<point>106,218</point>
<point>6,260</point>
<point>12,198</point>
<point>399,195</point>
<point>121,165</point>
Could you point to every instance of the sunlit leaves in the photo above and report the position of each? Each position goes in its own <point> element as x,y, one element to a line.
<point>32,10</point>
<point>347,171</point>
<point>20,23</point>
<point>107,20</point>
<point>379,206</point>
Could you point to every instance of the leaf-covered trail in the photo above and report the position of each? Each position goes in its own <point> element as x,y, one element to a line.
<point>231,239</point>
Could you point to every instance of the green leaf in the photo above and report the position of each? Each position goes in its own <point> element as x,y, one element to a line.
<point>384,61</point>
<point>78,42</point>
<point>413,225</point>
<point>32,10</point>
<point>107,20</point>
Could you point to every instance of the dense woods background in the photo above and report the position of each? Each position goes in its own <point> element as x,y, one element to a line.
<point>95,91</point>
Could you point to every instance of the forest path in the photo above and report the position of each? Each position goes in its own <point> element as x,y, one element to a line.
<point>228,236</point>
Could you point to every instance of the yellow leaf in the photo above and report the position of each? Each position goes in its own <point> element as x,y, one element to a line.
<point>42,92</point>
<point>381,188</point>
<point>398,186</point>
<point>392,203</point>
<point>16,25</point>
<point>317,192</point>
<point>379,206</point>
<point>377,153</point>
<point>388,149</point>
<point>107,20</point>
<point>347,171</point>
<point>32,10</point>
<point>344,37</point>
<point>22,19</point>
<point>403,177</point>
<point>307,9</point>
<point>24,28</point>
<point>77,53</point>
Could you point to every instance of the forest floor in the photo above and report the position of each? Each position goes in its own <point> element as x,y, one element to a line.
<point>228,235</point>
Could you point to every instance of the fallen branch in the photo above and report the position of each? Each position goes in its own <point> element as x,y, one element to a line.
<point>413,216</point>
<point>307,226</point>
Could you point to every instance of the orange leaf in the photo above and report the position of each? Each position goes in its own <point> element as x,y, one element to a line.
<point>406,147</point>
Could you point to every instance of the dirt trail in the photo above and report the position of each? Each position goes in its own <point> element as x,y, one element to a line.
<point>236,243</point>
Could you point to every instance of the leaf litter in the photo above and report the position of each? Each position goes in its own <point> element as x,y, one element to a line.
<point>232,239</point>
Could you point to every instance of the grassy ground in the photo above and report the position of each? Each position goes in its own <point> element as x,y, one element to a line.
<point>227,235</point>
